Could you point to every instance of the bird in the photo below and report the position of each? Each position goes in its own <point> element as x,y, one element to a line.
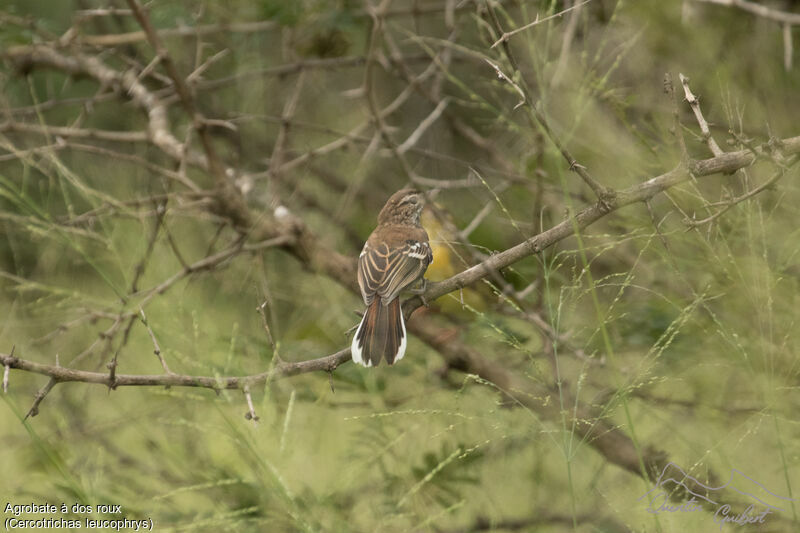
<point>395,257</point>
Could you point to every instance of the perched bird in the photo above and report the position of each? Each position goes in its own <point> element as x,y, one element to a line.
<point>394,257</point>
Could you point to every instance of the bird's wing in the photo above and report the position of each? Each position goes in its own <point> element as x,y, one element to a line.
<point>372,264</point>
<point>386,272</point>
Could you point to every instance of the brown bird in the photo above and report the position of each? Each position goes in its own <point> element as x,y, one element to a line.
<point>394,257</point>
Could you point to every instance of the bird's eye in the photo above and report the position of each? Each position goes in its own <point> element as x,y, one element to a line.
<point>410,200</point>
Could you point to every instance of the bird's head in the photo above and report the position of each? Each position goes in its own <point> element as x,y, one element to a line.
<point>403,207</point>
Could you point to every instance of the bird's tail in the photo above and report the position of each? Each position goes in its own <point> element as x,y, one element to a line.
<point>381,334</point>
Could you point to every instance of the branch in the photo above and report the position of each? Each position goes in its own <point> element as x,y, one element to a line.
<point>760,10</point>
<point>725,206</point>
<point>156,347</point>
<point>78,133</point>
<point>725,163</point>
<point>694,103</point>
<point>251,410</point>
<point>60,374</point>
<point>118,39</point>
<point>37,400</point>
<point>426,123</point>
<point>506,35</point>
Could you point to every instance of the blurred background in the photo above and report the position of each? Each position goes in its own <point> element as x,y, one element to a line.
<point>666,331</point>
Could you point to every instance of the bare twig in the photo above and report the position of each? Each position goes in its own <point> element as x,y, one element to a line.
<point>507,35</point>
<point>477,219</point>
<point>502,75</point>
<point>694,102</point>
<point>281,141</point>
<point>34,410</point>
<point>346,139</point>
<point>198,72</point>
<point>119,39</point>
<point>207,263</point>
<point>251,411</point>
<point>759,9</point>
<point>677,130</point>
<point>77,133</point>
<point>156,347</point>
<point>138,271</point>
<point>264,322</point>
<point>423,126</point>
<point>83,14</point>
<point>726,205</point>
